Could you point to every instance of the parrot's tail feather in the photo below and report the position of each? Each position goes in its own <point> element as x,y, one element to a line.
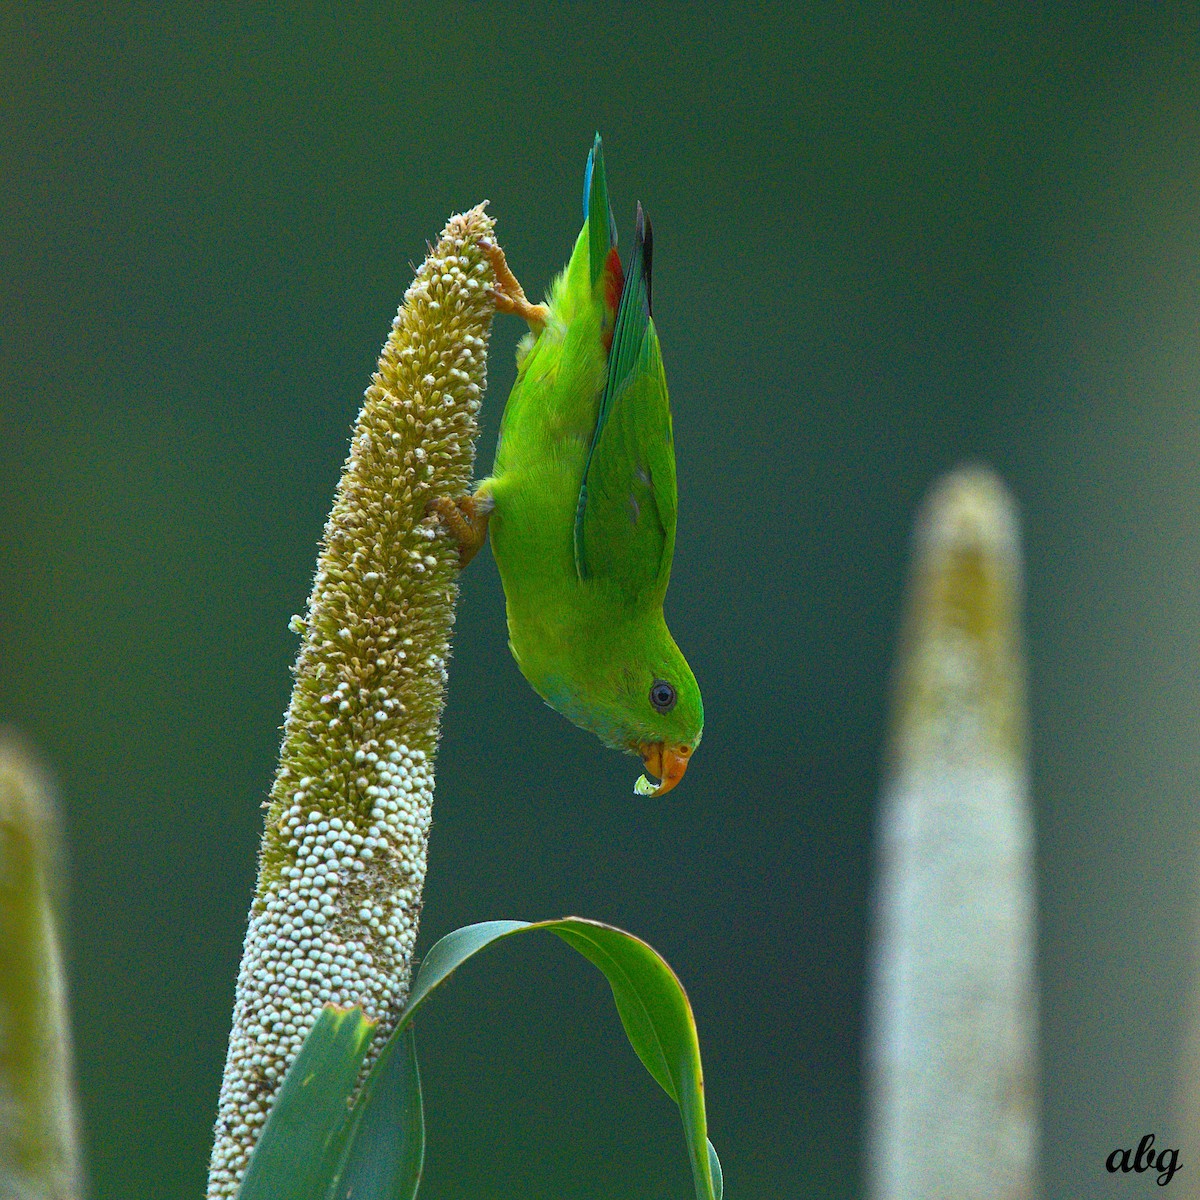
<point>602,227</point>
<point>644,236</point>
<point>633,315</point>
<point>593,154</point>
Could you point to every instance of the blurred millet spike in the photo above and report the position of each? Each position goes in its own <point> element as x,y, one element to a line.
<point>952,1037</point>
<point>39,1149</point>
<point>961,677</point>
<point>342,863</point>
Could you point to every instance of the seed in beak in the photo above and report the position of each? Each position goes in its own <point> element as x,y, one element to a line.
<point>667,762</point>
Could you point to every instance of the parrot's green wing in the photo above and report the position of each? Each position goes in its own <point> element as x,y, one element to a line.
<point>625,520</point>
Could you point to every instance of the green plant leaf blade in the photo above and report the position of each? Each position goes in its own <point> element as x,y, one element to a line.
<point>714,1167</point>
<point>642,985</point>
<point>653,1007</point>
<point>384,1150</point>
<point>303,1138</point>
<point>449,953</point>
<point>658,1021</point>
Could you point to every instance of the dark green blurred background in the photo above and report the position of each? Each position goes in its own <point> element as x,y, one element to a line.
<point>885,242</point>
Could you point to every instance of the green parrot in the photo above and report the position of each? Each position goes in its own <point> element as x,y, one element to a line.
<point>581,502</point>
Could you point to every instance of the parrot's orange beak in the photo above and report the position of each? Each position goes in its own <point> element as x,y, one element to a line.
<point>668,763</point>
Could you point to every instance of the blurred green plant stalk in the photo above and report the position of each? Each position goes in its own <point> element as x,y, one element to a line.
<point>342,863</point>
<point>952,1037</point>
<point>39,1156</point>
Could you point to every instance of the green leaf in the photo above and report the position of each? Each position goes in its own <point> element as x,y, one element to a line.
<point>303,1138</point>
<point>385,1144</point>
<point>714,1166</point>
<point>451,952</point>
<point>651,1002</point>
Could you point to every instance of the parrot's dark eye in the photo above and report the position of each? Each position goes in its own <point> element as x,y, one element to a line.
<point>662,695</point>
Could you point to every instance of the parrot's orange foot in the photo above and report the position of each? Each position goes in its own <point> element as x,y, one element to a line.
<point>508,294</point>
<point>467,520</point>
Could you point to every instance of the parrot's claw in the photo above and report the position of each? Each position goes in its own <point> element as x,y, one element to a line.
<point>467,520</point>
<point>508,295</point>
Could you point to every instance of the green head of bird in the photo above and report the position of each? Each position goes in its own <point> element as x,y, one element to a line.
<point>673,721</point>
<point>638,694</point>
